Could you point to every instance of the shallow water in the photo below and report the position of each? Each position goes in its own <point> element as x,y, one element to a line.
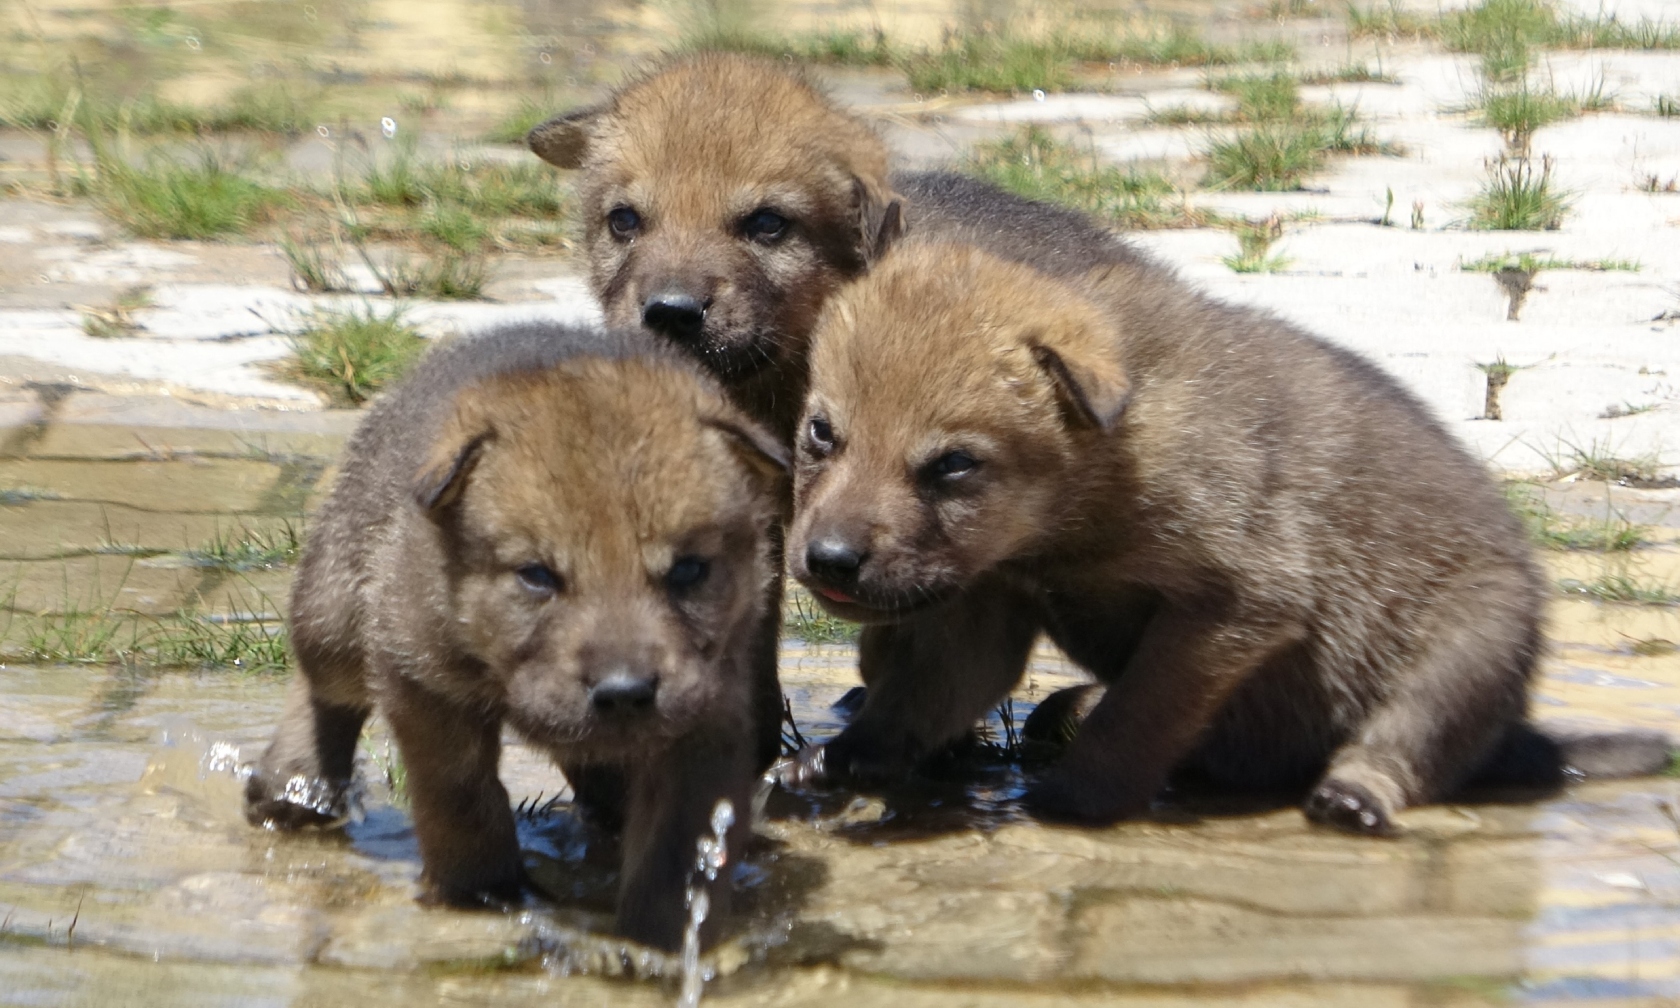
<point>127,875</point>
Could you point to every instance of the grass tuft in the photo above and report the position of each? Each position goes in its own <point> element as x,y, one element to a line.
<point>167,198</point>
<point>1497,262</point>
<point>352,355</point>
<point>116,318</point>
<point>1551,530</point>
<point>1517,198</point>
<point>1034,163</point>
<point>250,549</point>
<point>1620,588</point>
<point>1390,21</point>
<point>1254,242</point>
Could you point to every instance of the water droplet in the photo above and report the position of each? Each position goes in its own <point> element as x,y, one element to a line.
<point>388,126</point>
<point>1038,94</point>
<point>323,131</point>
<point>545,57</point>
<point>193,43</point>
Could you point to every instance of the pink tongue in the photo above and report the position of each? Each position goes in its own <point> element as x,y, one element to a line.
<point>835,596</point>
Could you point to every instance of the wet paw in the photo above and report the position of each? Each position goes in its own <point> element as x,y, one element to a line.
<point>297,803</point>
<point>1349,807</point>
<point>807,768</point>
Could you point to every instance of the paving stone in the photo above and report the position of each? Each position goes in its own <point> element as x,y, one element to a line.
<point>201,485</point>
<point>94,584</point>
<point>50,528</point>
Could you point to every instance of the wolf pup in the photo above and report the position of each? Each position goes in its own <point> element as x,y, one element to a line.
<point>1285,571</point>
<point>561,530</point>
<point>724,199</point>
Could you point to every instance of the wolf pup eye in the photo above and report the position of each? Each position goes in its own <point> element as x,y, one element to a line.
<point>687,572</point>
<point>764,225</point>
<point>623,221</point>
<point>821,435</point>
<point>538,578</point>
<point>952,465</point>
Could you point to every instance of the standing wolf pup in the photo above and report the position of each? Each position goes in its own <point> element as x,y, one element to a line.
<point>562,530</point>
<point>1286,572</point>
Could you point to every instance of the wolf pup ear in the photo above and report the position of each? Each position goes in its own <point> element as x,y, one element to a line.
<point>563,141</point>
<point>880,219</point>
<point>440,481</point>
<point>755,444</point>
<point>1082,357</point>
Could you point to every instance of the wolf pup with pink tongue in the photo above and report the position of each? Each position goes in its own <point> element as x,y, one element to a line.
<point>1285,571</point>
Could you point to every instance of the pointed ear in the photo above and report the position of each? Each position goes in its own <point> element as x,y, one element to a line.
<point>441,479</point>
<point>880,219</point>
<point>761,451</point>
<point>1083,358</point>
<point>563,141</point>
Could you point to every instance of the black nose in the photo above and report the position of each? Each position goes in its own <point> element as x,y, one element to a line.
<point>623,694</point>
<point>675,314</point>
<point>833,561</point>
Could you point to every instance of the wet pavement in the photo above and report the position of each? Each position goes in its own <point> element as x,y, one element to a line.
<point>127,875</point>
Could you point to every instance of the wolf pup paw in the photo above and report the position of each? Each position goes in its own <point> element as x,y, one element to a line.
<point>1349,807</point>
<point>299,802</point>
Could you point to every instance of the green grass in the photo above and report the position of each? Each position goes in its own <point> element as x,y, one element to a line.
<point>1000,61</point>
<point>1516,197</point>
<point>513,127</point>
<point>116,318</point>
<point>351,355</point>
<point>169,198</point>
<point>803,619</point>
<point>846,48</point>
<point>1034,163</point>
<point>1598,460</point>
<point>263,108</point>
<point>1494,262</point>
<point>250,549</point>
<point>1549,529</point>
<point>1620,588</point>
<point>1254,242</point>
<point>1388,20</point>
<point>1349,73</point>
<point>1260,97</point>
<point>1270,157</point>
<point>1667,106</point>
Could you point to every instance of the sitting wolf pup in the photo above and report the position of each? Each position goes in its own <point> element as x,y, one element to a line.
<point>1286,572</point>
<point>561,530</point>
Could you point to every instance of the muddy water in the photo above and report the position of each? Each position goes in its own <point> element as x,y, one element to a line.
<point>127,876</point>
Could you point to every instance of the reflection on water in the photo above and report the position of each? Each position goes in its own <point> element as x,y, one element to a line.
<point>126,823</point>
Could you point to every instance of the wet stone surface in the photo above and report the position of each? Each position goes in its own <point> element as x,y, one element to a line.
<point>128,876</point>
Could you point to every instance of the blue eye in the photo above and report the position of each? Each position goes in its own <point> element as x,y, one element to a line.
<point>538,578</point>
<point>687,572</point>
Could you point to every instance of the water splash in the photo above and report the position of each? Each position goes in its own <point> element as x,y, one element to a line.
<point>388,126</point>
<point>712,854</point>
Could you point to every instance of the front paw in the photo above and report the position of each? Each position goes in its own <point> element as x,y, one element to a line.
<point>298,802</point>
<point>852,757</point>
<point>1349,807</point>
<point>1061,798</point>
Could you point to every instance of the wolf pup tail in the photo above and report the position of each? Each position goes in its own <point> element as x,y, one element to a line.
<point>1534,755</point>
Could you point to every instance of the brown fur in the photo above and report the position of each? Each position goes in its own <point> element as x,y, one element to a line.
<point>506,460</point>
<point>1281,566</point>
<point>700,144</point>
<point>695,150</point>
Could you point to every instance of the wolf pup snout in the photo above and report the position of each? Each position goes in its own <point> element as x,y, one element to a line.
<point>564,532</point>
